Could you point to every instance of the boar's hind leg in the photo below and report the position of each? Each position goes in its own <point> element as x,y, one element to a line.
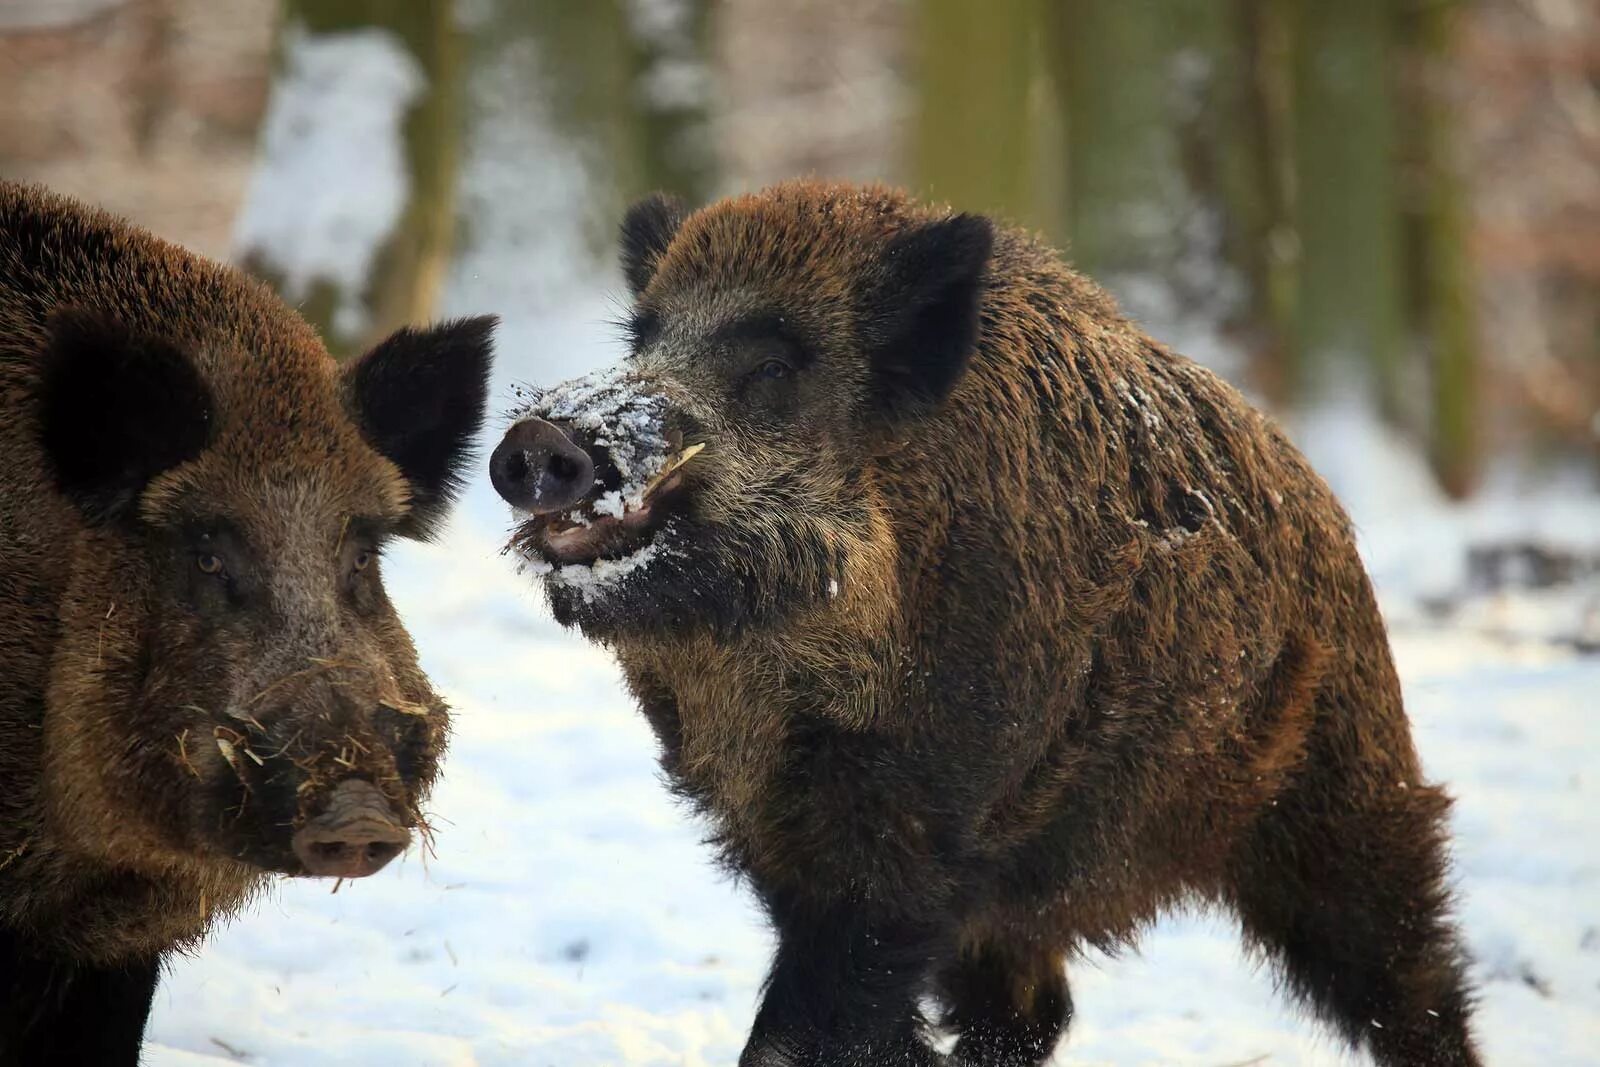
<point>843,991</point>
<point>1009,1003</point>
<point>57,1012</point>
<point>1346,891</point>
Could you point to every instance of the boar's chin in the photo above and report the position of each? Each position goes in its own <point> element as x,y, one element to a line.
<point>691,578</point>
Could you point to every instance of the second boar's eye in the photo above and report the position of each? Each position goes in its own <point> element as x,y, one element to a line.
<point>208,563</point>
<point>774,368</point>
<point>363,560</point>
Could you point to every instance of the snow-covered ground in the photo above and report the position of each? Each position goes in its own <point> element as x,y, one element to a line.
<point>571,916</point>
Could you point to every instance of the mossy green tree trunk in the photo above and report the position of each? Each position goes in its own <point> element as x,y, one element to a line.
<point>1125,194</point>
<point>670,136</point>
<point>1348,300</point>
<point>1442,284</point>
<point>1162,198</point>
<point>1258,188</point>
<point>973,142</point>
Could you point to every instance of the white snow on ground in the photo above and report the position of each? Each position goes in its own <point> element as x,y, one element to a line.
<point>331,182</point>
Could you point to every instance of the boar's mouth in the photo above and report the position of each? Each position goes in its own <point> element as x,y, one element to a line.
<point>609,526</point>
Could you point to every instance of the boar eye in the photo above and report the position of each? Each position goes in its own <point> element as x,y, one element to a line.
<point>363,560</point>
<point>209,563</point>
<point>774,368</point>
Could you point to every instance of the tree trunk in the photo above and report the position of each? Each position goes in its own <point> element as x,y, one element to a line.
<point>1444,269</point>
<point>1158,200</point>
<point>1349,297</point>
<point>1111,65</point>
<point>973,143</point>
<point>671,95</point>
<point>1259,188</point>
<point>630,94</point>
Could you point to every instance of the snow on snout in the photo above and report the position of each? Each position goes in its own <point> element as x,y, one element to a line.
<point>618,412</point>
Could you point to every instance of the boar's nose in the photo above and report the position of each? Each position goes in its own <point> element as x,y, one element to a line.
<point>356,836</point>
<point>538,468</point>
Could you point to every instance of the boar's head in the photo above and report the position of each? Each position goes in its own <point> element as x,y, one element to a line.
<point>788,352</point>
<point>231,683</point>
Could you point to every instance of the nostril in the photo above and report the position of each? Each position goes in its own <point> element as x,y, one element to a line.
<point>350,852</point>
<point>330,851</point>
<point>516,466</point>
<point>355,836</point>
<point>381,852</point>
<point>563,468</point>
<point>539,467</point>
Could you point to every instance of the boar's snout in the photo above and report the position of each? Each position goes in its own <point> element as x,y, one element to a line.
<point>540,469</point>
<point>356,835</point>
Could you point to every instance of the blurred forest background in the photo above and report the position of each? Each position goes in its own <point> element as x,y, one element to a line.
<point>1397,200</point>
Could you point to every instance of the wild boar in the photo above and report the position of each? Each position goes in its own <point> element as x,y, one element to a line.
<point>204,680</point>
<point>983,627</point>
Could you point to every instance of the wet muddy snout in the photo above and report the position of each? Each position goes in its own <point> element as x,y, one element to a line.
<point>356,834</point>
<point>540,469</point>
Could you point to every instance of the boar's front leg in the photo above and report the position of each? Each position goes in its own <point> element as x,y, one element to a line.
<point>56,1011</point>
<point>843,990</point>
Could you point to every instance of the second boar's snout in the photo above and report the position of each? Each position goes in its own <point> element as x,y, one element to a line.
<point>539,469</point>
<point>357,835</point>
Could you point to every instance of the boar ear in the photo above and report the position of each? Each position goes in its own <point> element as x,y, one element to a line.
<point>647,230</point>
<point>418,398</point>
<point>922,308</point>
<point>116,408</point>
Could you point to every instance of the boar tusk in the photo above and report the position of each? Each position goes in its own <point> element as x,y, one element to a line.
<point>672,465</point>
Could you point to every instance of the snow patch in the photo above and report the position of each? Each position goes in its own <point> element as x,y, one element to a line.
<point>597,578</point>
<point>331,182</point>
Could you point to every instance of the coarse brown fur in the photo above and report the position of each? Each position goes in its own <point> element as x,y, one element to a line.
<point>970,676</point>
<point>163,727</point>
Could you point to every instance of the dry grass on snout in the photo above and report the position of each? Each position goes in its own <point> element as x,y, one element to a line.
<point>347,753</point>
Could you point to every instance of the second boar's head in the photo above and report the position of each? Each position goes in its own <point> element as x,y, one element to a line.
<point>231,683</point>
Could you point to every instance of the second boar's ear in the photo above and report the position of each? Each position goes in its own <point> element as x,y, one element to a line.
<point>921,312</point>
<point>647,229</point>
<point>419,397</point>
<point>116,407</point>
